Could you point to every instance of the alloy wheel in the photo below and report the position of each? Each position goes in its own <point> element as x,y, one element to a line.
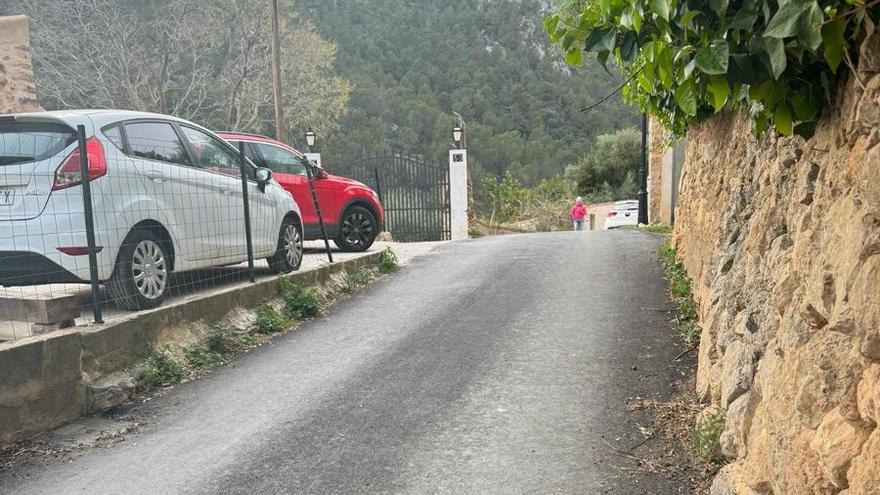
<point>293,245</point>
<point>357,229</point>
<point>149,270</point>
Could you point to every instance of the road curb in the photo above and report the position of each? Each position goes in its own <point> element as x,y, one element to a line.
<point>44,379</point>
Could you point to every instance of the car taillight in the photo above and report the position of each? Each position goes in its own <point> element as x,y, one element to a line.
<point>68,173</point>
<point>612,213</point>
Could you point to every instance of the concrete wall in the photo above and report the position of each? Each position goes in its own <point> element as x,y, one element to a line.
<point>46,381</point>
<point>17,90</point>
<point>782,239</point>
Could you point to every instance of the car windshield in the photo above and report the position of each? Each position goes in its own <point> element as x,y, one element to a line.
<point>22,142</point>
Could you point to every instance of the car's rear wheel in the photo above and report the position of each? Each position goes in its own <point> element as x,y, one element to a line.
<point>140,278</point>
<point>289,254</point>
<point>358,229</point>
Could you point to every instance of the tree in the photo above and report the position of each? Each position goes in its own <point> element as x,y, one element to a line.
<point>204,61</point>
<point>607,172</point>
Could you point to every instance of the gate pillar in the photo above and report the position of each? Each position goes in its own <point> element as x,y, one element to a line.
<point>458,194</point>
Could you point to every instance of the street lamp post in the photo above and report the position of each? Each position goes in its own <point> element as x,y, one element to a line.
<point>643,174</point>
<point>457,132</point>
<point>311,137</point>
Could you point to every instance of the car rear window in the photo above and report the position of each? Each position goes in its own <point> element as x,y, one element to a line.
<point>156,141</point>
<point>25,142</point>
<point>626,207</point>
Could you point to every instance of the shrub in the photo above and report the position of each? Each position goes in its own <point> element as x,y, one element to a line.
<point>388,262</point>
<point>161,369</point>
<point>201,356</point>
<point>300,302</point>
<point>270,320</point>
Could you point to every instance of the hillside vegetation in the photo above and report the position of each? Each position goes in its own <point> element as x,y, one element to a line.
<point>412,63</point>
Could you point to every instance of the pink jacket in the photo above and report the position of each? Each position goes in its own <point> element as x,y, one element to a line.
<point>578,212</point>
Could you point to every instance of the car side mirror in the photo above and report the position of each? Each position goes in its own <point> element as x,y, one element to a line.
<point>319,172</point>
<point>263,176</point>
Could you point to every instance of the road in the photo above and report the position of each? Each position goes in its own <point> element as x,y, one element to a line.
<point>498,365</point>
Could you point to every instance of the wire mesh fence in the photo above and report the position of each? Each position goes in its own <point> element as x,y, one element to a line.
<point>119,217</point>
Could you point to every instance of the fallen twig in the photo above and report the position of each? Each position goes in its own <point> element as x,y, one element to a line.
<point>689,349</point>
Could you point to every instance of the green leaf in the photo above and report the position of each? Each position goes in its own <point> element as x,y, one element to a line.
<point>776,52</point>
<point>720,90</point>
<point>601,40</point>
<point>688,17</point>
<point>550,24</point>
<point>569,38</point>
<point>663,56</point>
<point>686,97</point>
<point>746,69</point>
<point>719,7</point>
<point>602,57</point>
<point>637,18</point>
<point>713,59</point>
<point>784,23</point>
<point>629,47</point>
<point>782,119</point>
<point>660,8</point>
<point>574,57</point>
<point>746,16</point>
<point>834,42</point>
<point>810,26</point>
<point>626,20</point>
<point>805,103</point>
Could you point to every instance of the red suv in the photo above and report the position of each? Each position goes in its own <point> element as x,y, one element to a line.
<point>351,211</point>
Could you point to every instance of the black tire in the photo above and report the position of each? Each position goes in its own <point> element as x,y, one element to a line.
<point>141,276</point>
<point>289,253</point>
<point>357,229</point>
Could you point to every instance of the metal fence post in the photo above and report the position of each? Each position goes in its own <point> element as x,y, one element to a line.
<point>311,175</point>
<point>381,199</point>
<point>242,162</point>
<point>90,222</point>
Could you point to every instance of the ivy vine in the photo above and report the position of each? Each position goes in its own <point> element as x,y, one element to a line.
<point>685,59</point>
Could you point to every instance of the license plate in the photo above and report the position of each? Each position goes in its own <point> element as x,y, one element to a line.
<point>7,196</point>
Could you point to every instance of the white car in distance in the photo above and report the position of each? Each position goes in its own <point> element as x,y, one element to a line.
<point>166,195</point>
<point>622,213</point>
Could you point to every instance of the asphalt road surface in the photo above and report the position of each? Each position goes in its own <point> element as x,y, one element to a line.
<point>498,365</point>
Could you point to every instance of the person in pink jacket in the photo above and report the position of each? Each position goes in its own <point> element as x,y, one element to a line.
<point>578,213</point>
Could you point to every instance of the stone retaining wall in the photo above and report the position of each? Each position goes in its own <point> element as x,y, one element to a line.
<point>782,239</point>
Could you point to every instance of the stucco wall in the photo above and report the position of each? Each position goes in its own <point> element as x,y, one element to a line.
<point>17,90</point>
<point>782,239</point>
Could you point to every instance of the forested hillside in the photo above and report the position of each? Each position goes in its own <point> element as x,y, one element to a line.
<point>412,63</point>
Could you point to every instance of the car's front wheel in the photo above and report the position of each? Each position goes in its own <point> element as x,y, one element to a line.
<point>140,278</point>
<point>289,254</point>
<point>358,230</point>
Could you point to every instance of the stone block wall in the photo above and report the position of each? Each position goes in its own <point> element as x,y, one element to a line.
<point>17,89</point>
<point>782,239</point>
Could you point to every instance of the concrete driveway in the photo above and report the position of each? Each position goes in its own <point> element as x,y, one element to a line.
<point>499,365</point>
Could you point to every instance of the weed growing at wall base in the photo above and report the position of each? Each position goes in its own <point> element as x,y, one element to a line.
<point>706,434</point>
<point>388,262</point>
<point>270,320</point>
<point>161,368</point>
<point>300,302</point>
<point>680,290</point>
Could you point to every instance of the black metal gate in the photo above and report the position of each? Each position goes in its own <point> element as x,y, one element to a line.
<point>414,194</point>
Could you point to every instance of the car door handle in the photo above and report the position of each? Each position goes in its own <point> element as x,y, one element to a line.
<point>156,176</point>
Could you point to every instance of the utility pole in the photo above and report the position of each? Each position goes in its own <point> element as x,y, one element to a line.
<point>276,74</point>
<point>643,174</point>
